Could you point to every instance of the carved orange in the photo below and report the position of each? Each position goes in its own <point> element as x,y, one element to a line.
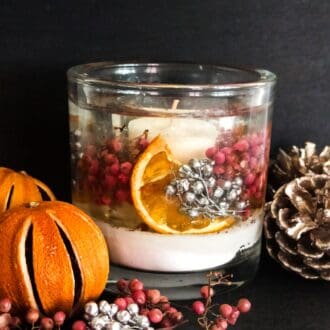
<point>18,188</point>
<point>52,257</point>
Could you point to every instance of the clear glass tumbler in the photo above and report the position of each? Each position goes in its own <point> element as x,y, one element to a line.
<point>171,162</point>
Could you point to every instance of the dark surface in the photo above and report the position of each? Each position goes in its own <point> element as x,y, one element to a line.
<point>40,40</point>
<point>281,300</point>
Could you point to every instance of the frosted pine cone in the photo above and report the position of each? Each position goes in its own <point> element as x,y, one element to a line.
<point>298,162</point>
<point>297,226</point>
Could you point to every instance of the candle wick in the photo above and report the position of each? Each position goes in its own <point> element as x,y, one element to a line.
<point>175,104</point>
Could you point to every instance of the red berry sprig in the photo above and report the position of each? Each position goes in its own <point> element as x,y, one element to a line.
<point>226,314</point>
<point>32,318</point>
<point>152,304</point>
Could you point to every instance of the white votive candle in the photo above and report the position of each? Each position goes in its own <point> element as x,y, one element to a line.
<point>186,137</point>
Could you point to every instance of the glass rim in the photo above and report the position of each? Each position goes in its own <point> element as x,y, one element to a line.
<point>83,73</point>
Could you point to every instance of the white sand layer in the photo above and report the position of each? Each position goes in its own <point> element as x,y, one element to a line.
<point>176,253</point>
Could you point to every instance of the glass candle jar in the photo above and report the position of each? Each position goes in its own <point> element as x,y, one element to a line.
<point>171,162</point>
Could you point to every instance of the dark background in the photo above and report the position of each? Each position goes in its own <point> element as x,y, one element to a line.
<point>40,40</point>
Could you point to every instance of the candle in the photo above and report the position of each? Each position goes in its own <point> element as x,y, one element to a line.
<point>186,137</point>
<point>182,221</point>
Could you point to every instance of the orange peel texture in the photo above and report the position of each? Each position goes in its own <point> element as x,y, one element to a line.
<point>18,188</point>
<point>52,257</point>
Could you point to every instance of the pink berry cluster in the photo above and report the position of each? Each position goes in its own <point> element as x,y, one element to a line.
<point>225,314</point>
<point>32,318</point>
<point>105,172</point>
<point>244,156</point>
<point>152,304</point>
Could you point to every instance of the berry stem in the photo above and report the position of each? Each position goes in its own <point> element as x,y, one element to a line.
<point>211,312</point>
<point>145,133</point>
<point>213,278</point>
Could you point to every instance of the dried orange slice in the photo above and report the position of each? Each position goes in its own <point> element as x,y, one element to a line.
<point>153,171</point>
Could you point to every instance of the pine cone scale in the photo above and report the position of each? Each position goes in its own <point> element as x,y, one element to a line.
<point>300,197</point>
<point>321,237</point>
<point>290,262</point>
<point>317,264</point>
<point>272,251</point>
<point>325,153</point>
<point>285,164</point>
<point>326,167</point>
<point>285,243</point>
<point>300,225</point>
<point>308,251</point>
<point>310,274</point>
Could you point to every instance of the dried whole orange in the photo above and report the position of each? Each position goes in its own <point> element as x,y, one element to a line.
<point>153,171</point>
<point>52,257</point>
<point>18,188</point>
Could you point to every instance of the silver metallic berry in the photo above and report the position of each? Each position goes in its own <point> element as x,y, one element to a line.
<point>104,307</point>
<point>238,191</point>
<point>241,205</point>
<point>113,309</point>
<point>203,201</point>
<point>91,308</point>
<point>211,182</point>
<point>185,170</point>
<point>227,185</point>
<point>197,187</point>
<point>238,181</point>
<point>142,321</point>
<point>195,164</point>
<point>189,197</point>
<point>193,213</point>
<point>170,190</point>
<point>224,205</point>
<point>114,325</point>
<point>123,316</point>
<point>98,322</point>
<point>133,309</point>
<point>183,185</point>
<point>231,195</point>
<point>207,170</point>
<point>218,192</point>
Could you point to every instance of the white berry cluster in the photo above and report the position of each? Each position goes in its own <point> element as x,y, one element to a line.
<point>202,193</point>
<point>105,316</point>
